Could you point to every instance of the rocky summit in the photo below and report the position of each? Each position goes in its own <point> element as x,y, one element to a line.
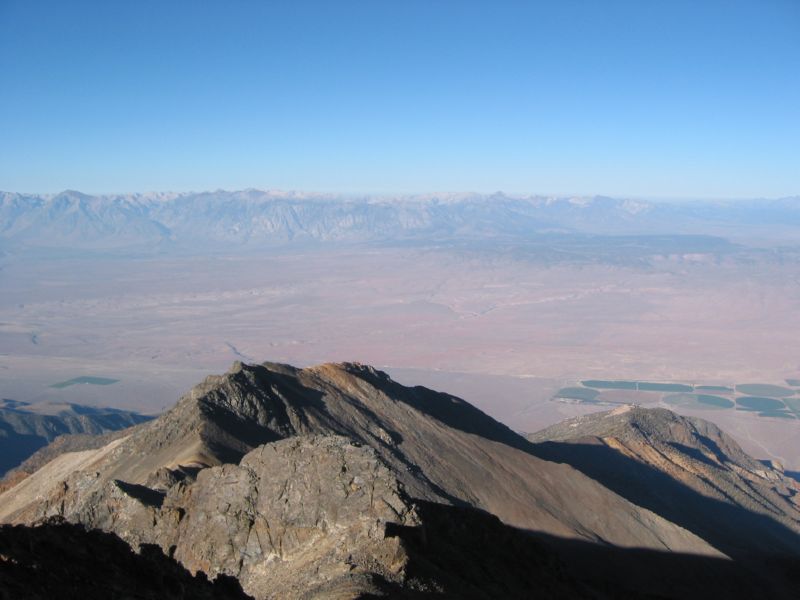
<point>336,482</point>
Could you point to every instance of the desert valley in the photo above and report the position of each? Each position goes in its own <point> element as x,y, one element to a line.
<point>410,300</point>
<point>457,301</point>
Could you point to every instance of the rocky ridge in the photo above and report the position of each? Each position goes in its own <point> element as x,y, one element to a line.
<point>686,469</point>
<point>335,482</point>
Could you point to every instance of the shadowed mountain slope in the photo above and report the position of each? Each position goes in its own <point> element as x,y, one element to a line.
<point>290,478</point>
<point>61,560</point>
<point>335,481</point>
<point>458,553</point>
<point>481,554</point>
<point>25,428</point>
<point>439,447</point>
<point>686,470</point>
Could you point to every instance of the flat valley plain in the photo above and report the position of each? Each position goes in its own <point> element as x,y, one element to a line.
<point>504,327</point>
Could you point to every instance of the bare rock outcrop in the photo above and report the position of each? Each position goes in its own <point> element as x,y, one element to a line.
<point>292,514</point>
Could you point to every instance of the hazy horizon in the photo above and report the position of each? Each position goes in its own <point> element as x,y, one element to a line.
<point>400,195</point>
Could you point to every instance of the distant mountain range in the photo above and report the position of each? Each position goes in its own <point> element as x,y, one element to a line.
<point>255,218</point>
<point>25,428</point>
<point>335,482</point>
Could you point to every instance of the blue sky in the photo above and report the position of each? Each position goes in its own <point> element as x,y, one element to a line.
<point>641,98</point>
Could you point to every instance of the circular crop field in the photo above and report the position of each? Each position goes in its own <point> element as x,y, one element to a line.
<point>702,401</point>
<point>759,403</point>
<point>764,389</point>
<point>577,393</point>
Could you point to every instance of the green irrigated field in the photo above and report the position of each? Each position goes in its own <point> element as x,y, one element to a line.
<point>715,401</point>
<point>764,389</point>
<point>578,393</point>
<point>642,386</point>
<point>602,384</point>
<point>759,403</point>
<point>646,386</point>
<point>780,414</point>
<point>793,404</point>
<point>758,399</point>
<point>698,401</point>
<point>720,389</point>
<point>84,379</point>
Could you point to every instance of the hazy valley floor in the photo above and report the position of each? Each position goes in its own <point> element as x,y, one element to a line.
<point>504,329</point>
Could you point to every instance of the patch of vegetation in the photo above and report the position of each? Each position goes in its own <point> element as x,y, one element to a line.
<point>602,384</point>
<point>679,399</point>
<point>717,401</point>
<point>781,414</point>
<point>714,388</point>
<point>88,379</point>
<point>641,386</point>
<point>704,401</point>
<point>764,389</point>
<point>793,404</point>
<point>577,393</point>
<point>793,382</point>
<point>759,403</point>
<point>646,386</point>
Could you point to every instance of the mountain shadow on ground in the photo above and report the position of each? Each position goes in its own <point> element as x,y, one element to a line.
<point>456,552</point>
<point>65,561</point>
<point>468,553</point>
<point>613,572</point>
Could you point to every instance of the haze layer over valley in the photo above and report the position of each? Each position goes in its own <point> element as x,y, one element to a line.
<point>500,300</point>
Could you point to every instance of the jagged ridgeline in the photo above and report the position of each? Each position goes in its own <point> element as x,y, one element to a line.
<point>336,482</point>
<point>73,220</point>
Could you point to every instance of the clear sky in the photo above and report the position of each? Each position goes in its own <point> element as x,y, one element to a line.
<point>643,98</point>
